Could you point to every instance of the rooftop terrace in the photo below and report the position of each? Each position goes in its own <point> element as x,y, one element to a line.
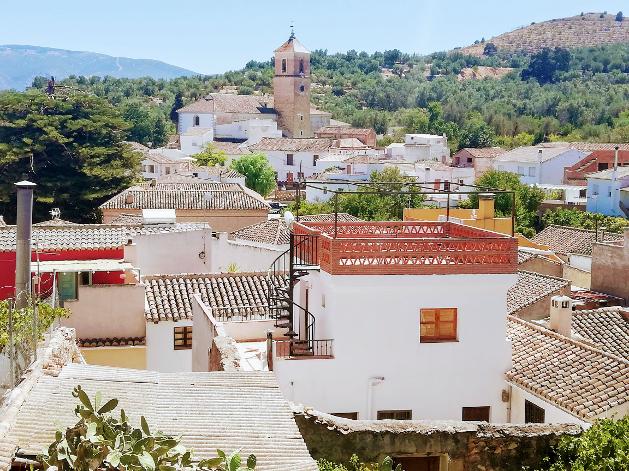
<point>403,248</point>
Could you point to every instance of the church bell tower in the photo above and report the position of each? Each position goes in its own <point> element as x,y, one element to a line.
<point>291,88</point>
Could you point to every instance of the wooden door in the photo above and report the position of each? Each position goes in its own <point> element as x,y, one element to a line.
<point>418,463</point>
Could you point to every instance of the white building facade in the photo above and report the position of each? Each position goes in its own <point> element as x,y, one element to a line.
<point>538,164</point>
<point>420,147</point>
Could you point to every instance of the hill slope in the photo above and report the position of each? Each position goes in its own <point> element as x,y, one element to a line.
<point>575,31</point>
<point>20,64</point>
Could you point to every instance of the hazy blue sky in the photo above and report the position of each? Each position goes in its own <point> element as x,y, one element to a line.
<point>210,36</point>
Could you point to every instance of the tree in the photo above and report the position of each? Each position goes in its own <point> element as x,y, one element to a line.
<point>356,465</point>
<point>602,447</point>
<point>476,133</point>
<point>177,104</point>
<point>619,16</point>
<point>584,220</point>
<point>259,175</point>
<point>101,441</point>
<point>527,198</point>
<point>211,156</point>
<point>545,65</point>
<point>72,147</point>
<point>490,50</point>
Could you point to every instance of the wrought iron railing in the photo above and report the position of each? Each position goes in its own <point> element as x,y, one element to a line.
<point>320,348</point>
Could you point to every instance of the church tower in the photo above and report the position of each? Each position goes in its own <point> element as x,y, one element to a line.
<point>291,88</point>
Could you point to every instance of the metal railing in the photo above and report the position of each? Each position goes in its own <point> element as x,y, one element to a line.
<point>316,349</point>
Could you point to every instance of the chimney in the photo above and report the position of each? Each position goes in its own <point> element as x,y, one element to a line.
<point>616,158</point>
<point>23,234</point>
<point>129,198</point>
<point>561,315</point>
<point>486,206</point>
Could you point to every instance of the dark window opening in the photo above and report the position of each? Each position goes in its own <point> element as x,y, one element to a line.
<point>478,414</point>
<point>302,88</point>
<point>301,66</point>
<point>197,121</point>
<point>283,66</point>
<point>418,463</point>
<point>314,160</point>
<point>183,338</point>
<point>603,166</point>
<point>346,415</point>
<point>533,414</point>
<point>85,278</point>
<point>395,415</point>
<point>289,159</point>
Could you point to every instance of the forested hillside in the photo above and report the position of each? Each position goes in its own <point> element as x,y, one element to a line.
<point>578,94</point>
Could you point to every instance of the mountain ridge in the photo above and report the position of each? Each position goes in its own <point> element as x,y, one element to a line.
<point>21,63</point>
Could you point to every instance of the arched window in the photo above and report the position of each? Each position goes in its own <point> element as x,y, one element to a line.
<point>283,66</point>
<point>301,66</point>
<point>197,121</point>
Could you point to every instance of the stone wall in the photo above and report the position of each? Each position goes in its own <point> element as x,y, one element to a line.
<point>461,446</point>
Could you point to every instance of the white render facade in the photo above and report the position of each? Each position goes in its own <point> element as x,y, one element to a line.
<point>375,323</point>
<point>420,147</point>
<point>187,121</point>
<point>535,167</point>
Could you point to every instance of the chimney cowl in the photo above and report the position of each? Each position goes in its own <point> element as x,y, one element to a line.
<point>561,315</point>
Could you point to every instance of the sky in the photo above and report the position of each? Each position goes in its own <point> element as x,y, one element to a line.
<point>210,36</point>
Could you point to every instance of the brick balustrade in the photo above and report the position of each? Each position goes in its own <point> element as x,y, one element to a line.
<point>406,248</point>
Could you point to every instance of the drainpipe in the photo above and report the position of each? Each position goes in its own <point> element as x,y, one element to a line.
<point>371,382</point>
<point>24,230</point>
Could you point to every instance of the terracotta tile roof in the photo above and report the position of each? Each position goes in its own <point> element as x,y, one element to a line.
<point>485,152</point>
<point>607,328</point>
<point>287,144</point>
<point>227,103</point>
<point>275,232</point>
<point>572,240</point>
<point>112,342</point>
<point>236,410</point>
<point>577,378</point>
<point>345,130</point>
<point>217,171</point>
<point>128,219</point>
<point>525,256</point>
<point>530,288</point>
<point>193,195</point>
<point>230,148</point>
<point>292,45</point>
<point>590,146</point>
<point>530,154</point>
<point>169,297</point>
<point>55,222</point>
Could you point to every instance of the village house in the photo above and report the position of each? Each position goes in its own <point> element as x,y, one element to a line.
<point>574,246</point>
<point>538,164</point>
<point>593,162</point>
<point>574,378</point>
<point>420,147</point>
<point>480,159</point>
<point>224,206</point>
<point>604,195</point>
<point>529,298</point>
<point>610,267</point>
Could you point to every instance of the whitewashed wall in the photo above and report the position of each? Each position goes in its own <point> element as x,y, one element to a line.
<point>248,256</point>
<point>160,351</point>
<point>553,414</point>
<point>374,321</point>
<point>581,262</point>
<point>186,121</point>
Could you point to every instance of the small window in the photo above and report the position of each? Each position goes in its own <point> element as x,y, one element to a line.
<point>479,414</point>
<point>85,278</point>
<point>167,170</point>
<point>595,189</point>
<point>197,121</point>
<point>301,66</point>
<point>151,168</point>
<point>283,66</point>
<point>533,414</point>
<point>531,171</point>
<point>301,133</point>
<point>438,325</point>
<point>302,89</point>
<point>183,338</point>
<point>346,415</point>
<point>521,171</point>
<point>323,300</point>
<point>289,159</point>
<point>395,415</point>
<point>603,166</point>
<point>314,160</point>
<point>582,193</point>
<point>470,160</point>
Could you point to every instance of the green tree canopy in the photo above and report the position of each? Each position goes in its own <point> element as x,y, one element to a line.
<point>72,147</point>
<point>545,65</point>
<point>259,175</point>
<point>584,220</point>
<point>211,156</point>
<point>476,133</point>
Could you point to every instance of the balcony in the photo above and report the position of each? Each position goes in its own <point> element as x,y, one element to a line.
<point>405,248</point>
<point>304,349</point>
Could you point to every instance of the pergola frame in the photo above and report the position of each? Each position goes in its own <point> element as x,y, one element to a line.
<point>408,188</point>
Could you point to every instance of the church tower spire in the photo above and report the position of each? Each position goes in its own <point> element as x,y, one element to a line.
<point>291,88</point>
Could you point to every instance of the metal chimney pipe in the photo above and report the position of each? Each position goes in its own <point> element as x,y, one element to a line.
<point>615,158</point>
<point>23,233</point>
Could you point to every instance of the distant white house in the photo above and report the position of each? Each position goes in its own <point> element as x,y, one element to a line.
<point>420,147</point>
<point>604,192</point>
<point>195,139</point>
<point>538,164</point>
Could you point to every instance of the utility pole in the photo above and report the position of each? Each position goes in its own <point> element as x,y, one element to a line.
<point>23,236</point>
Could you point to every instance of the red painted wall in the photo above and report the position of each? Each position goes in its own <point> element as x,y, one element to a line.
<point>7,267</point>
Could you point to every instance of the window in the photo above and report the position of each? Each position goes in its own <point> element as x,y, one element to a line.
<point>85,278</point>
<point>582,193</point>
<point>470,160</point>
<point>531,171</point>
<point>533,414</point>
<point>283,66</point>
<point>314,160</point>
<point>346,415</point>
<point>150,168</point>
<point>301,66</point>
<point>438,325</point>
<point>183,338</point>
<point>475,413</point>
<point>395,415</point>
<point>197,121</point>
<point>167,170</point>
<point>302,89</point>
<point>289,159</point>
<point>603,166</point>
<point>521,171</point>
<point>301,117</point>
